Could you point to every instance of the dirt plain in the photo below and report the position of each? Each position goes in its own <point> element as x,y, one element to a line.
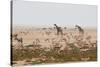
<point>46,40</point>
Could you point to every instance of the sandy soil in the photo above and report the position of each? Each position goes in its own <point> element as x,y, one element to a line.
<point>47,37</point>
<point>30,34</point>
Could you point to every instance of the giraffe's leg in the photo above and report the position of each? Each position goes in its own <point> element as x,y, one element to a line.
<point>61,32</point>
<point>57,32</point>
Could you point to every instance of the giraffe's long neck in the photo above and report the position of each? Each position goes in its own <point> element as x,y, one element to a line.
<point>56,26</point>
<point>79,28</point>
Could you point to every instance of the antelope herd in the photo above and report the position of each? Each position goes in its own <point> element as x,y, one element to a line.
<point>53,44</point>
<point>52,36</point>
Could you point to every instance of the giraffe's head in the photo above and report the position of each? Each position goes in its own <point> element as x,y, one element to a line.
<point>54,24</point>
<point>76,26</point>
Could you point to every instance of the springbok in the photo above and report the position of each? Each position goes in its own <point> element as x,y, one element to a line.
<point>20,40</point>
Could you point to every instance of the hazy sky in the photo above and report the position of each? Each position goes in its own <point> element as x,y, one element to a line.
<point>40,13</point>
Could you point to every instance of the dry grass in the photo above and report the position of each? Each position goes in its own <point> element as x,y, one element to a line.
<point>44,46</point>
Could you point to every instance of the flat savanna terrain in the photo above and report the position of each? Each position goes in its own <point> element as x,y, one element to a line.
<point>35,45</point>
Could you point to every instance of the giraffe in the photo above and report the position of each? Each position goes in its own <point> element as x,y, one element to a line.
<point>81,31</point>
<point>59,30</point>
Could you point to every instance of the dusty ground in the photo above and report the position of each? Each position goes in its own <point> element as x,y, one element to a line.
<point>47,37</point>
<point>30,34</point>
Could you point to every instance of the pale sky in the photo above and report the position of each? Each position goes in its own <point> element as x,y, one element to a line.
<point>42,13</point>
